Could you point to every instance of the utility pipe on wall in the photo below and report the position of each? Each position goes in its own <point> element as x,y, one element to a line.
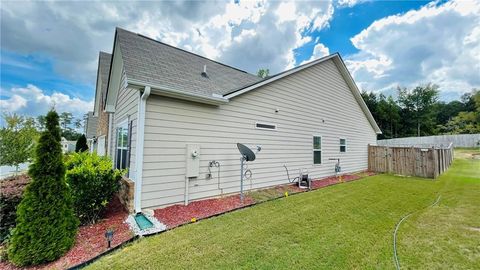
<point>142,104</point>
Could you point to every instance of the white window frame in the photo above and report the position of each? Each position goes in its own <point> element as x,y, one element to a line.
<point>317,150</point>
<point>124,125</point>
<point>265,123</point>
<point>340,144</point>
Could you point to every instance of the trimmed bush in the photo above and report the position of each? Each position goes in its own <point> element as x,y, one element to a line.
<point>46,224</point>
<point>11,191</point>
<point>81,145</point>
<point>93,183</point>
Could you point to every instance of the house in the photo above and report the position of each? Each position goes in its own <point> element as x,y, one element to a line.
<point>91,131</point>
<point>102,134</point>
<point>67,146</point>
<point>174,114</point>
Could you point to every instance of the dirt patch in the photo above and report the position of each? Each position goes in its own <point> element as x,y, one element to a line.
<point>475,229</point>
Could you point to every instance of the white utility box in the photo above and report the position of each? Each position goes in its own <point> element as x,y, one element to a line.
<point>193,160</point>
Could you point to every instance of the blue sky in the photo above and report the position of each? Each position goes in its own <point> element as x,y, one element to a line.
<point>49,50</point>
<point>349,21</point>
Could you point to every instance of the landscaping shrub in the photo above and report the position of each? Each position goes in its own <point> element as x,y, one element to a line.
<point>81,145</point>
<point>11,191</point>
<point>93,183</point>
<point>46,224</point>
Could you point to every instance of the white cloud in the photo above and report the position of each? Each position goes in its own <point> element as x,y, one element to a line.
<point>33,101</point>
<point>72,33</point>
<point>437,43</point>
<point>13,104</point>
<point>350,3</point>
<point>319,51</point>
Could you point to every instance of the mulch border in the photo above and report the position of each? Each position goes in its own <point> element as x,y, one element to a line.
<point>136,237</point>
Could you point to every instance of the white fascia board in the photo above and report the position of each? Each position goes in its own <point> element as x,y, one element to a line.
<point>165,91</point>
<point>98,90</point>
<point>116,69</point>
<point>281,75</point>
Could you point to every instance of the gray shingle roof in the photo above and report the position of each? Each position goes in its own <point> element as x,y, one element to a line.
<point>104,71</point>
<point>154,62</point>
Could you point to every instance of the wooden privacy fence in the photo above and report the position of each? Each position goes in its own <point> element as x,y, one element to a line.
<point>413,161</point>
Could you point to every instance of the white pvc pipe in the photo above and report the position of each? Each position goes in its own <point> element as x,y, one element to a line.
<point>186,190</point>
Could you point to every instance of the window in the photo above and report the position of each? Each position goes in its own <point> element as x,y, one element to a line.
<point>122,160</point>
<point>265,126</point>
<point>343,145</point>
<point>317,150</point>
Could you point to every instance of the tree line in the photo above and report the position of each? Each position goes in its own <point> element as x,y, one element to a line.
<point>419,112</point>
<point>20,133</point>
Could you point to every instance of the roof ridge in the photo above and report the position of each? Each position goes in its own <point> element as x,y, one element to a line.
<point>183,50</point>
<point>102,52</point>
<point>299,67</point>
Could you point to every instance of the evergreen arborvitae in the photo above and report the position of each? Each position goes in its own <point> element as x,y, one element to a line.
<point>81,145</point>
<point>46,224</point>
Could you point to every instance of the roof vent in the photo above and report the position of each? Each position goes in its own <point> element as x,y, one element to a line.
<point>204,73</point>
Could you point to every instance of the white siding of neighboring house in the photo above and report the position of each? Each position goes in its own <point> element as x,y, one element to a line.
<point>303,100</point>
<point>126,110</point>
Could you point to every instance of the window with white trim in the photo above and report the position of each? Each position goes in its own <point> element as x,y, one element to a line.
<point>343,145</point>
<point>317,149</point>
<point>123,134</point>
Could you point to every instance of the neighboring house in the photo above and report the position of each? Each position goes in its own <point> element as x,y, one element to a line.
<point>103,71</point>
<point>67,146</point>
<point>91,131</point>
<point>165,102</point>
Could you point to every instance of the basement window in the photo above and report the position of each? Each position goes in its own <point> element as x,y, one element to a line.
<point>343,145</point>
<point>317,149</point>
<point>259,125</point>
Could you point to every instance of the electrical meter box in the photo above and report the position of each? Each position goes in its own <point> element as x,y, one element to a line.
<point>193,160</point>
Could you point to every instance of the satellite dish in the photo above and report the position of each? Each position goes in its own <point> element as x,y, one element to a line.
<point>246,152</point>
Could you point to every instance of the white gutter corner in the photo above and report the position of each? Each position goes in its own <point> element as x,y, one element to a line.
<point>142,104</point>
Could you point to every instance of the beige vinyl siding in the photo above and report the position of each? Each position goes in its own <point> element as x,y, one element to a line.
<point>303,99</point>
<point>126,110</point>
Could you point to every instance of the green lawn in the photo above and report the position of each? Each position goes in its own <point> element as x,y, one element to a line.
<point>347,226</point>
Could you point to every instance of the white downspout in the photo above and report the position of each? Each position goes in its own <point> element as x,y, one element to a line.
<point>110,128</point>
<point>142,104</point>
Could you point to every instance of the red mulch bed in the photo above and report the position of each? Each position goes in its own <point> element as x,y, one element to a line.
<point>332,180</point>
<point>176,215</point>
<point>90,240</point>
<point>14,185</point>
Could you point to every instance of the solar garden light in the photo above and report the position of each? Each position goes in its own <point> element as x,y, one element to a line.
<point>109,236</point>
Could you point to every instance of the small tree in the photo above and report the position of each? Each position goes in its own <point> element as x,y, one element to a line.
<point>46,224</point>
<point>81,145</point>
<point>263,73</point>
<point>17,140</point>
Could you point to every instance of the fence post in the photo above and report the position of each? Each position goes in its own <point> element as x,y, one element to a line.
<point>369,157</point>
<point>435,162</point>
